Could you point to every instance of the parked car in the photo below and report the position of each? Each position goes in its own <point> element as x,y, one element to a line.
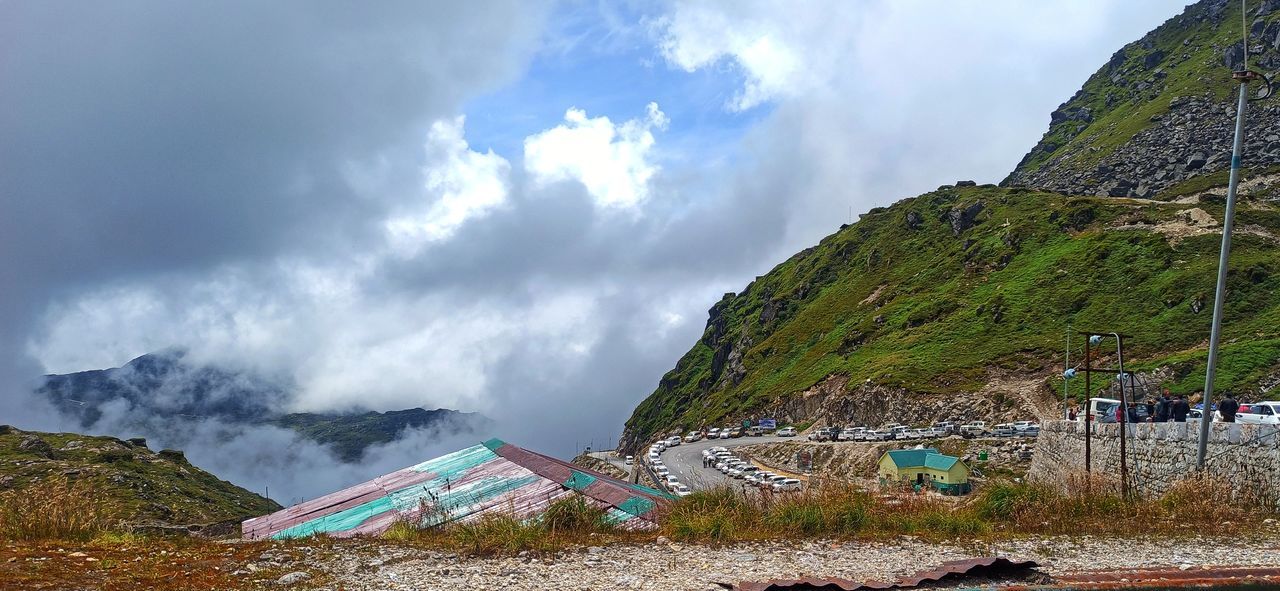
<point>1004,430</point>
<point>1032,431</point>
<point>846,435</point>
<point>754,431</point>
<point>724,433</point>
<point>631,460</point>
<point>692,437</point>
<point>824,434</point>
<point>661,471</point>
<point>680,490</point>
<point>875,435</point>
<point>713,432</point>
<point>945,427</point>
<point>673,441</point>
<point>1260,413</point>
<point>786,484</point>
<point>787,432</point>
<point>735,433</point>
<point>974,429</point>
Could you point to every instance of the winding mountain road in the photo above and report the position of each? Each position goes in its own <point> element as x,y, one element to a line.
<point>685,460</point>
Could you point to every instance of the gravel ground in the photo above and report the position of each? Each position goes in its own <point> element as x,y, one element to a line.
<point>673,566</point>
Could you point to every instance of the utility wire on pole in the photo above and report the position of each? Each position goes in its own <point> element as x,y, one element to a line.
<point>1244,75</point>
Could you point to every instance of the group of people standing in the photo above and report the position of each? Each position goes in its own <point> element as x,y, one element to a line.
<point>1166,409</point>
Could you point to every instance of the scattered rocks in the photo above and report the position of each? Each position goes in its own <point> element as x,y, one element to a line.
<point>697,567</point>
<point>35,445</point>
<point>294,578</point>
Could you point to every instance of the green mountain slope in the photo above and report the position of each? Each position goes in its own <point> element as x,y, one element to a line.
<point>152,488</point>
<point>955,304</point>
<point>912,298</point>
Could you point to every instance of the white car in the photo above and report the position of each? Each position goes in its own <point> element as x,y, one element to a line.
<point>1260,413</point>
<point>1004,430</point>
<point>692,437</point>
<point>671,479</point>
<point>786,484</point>
<point>673,441</point>
<point>661,471</point>
<point>713,433</point>
<point>680,490</point>
<point>786,432</point>
<point>631,460</point>
<point>734,473</point>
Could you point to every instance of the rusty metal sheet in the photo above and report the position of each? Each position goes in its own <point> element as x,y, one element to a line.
<point>974,567</point>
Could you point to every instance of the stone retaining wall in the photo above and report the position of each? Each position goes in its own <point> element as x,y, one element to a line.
<point>1160,454</point>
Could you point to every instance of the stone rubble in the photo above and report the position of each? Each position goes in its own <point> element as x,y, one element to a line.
<point>677,567</point>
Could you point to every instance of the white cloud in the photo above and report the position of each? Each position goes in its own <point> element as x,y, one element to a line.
<point>464,183</point>
<point>611,161</point>
<point>774,45</point>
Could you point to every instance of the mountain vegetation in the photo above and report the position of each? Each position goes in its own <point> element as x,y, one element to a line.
<point>166,384</point>
<point>940,296</point>
<point>122,482</point>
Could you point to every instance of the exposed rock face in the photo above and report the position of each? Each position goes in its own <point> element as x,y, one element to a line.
<point>1138,127</point>
<point>964,217</point>
<point>1193,139</point>
<point>834,402</point>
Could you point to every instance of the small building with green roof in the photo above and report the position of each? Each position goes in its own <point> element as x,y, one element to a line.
<point>923,467</point>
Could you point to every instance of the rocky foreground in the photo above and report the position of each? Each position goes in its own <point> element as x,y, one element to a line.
<point>672,566</point>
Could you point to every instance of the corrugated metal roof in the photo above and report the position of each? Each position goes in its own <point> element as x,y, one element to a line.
<point>940,462</point>
<point>493,477</point>
<point>987,566</point>
<point>909,458</point>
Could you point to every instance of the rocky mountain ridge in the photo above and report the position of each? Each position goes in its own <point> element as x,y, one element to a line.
<point>1159,116</point>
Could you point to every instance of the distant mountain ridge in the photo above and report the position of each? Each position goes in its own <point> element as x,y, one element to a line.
<point>165,384</point>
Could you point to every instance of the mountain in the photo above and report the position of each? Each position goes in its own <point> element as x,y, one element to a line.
<point>1156,120</point>
<point>956,303</point>
<point>350,434</point>
<point>166,385</point>
<point>152,488</point>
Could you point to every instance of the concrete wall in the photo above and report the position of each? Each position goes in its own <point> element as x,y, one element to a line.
<point>1160,454</point>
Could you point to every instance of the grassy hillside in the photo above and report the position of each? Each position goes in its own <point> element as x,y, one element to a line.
<point>147,487</point>
<point>912,297</point>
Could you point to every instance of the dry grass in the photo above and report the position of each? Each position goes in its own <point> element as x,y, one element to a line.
<point>1205,503</point>
<point>56,508</point>
<point>567,522</point>
<point>839,511</point>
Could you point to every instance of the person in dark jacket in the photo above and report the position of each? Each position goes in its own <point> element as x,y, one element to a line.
<point>1133,413</point>
<point>1180,409</point>
<point>1162,408</point>
<point>1151,410</point>
<point>1229,407</point>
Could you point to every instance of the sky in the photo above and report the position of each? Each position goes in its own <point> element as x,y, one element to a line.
<point>518,208</point>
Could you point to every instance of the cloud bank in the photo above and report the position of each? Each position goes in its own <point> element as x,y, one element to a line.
<point>298,189</point>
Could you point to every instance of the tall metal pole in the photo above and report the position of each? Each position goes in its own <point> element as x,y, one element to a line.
<point>1219,294</point>
<point>1088,410</point>
<point>1124,420</point>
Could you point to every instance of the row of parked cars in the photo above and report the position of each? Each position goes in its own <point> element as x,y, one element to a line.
<point>724,433</point>
<point>900,432</point>
<point>737,468</point>
<point>664,474</point>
